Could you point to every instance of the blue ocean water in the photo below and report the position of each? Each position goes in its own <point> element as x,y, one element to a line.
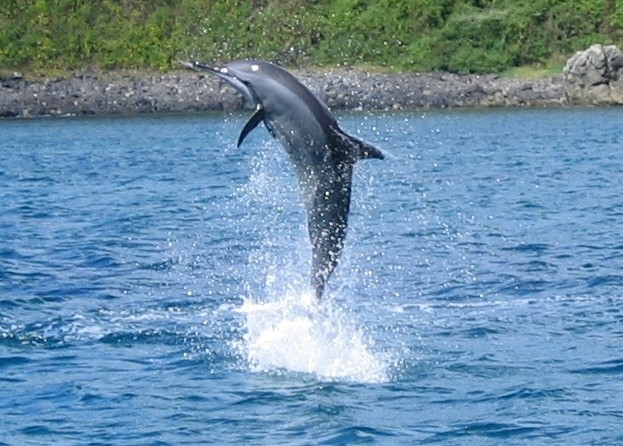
<point>152,284</point>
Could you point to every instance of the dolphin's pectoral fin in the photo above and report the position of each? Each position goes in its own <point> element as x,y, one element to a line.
<point>257,117</point>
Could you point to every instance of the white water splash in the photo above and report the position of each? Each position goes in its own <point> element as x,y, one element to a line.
<point>295,333</point>
<point>287,330</point>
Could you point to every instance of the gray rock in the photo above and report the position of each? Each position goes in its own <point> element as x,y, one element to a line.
<point>184,91</point>
<point>595,76</point>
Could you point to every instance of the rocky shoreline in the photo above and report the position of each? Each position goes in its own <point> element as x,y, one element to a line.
<point>591,77</point>
<point>90,93</point>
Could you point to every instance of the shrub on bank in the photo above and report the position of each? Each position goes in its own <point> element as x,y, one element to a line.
<point>420,35</point>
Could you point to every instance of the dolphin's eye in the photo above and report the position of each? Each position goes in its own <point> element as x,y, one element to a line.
<point>255,67</point>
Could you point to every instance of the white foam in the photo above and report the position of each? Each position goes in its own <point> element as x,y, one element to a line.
<point>295,333</point>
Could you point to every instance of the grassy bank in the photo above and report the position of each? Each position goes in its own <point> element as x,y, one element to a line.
<point>462,36</point>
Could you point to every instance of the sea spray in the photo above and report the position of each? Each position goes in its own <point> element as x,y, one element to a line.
<point>295,333</point>
<point>285,329</point>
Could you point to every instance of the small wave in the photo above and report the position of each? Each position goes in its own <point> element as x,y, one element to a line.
<point>611,367</point>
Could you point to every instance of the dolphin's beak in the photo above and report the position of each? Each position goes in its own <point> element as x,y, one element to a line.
<point>226,75</point>
<point>194,65</point>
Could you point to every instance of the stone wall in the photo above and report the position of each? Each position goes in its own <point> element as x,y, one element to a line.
<point>185,91</point>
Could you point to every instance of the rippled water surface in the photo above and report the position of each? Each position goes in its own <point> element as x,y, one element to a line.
<point>152,284</point>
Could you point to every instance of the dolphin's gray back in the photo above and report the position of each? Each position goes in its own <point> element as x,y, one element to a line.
<point>323,157</point>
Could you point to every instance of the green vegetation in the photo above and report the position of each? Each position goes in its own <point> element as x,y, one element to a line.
<point>420,35</point>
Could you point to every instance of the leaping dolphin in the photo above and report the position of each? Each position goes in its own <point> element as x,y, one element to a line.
<point>323,154</point>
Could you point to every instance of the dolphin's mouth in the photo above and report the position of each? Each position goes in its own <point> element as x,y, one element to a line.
<point>225,74</point>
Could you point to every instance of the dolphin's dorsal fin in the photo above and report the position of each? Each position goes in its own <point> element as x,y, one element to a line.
<point>367,150</point>
<point>355,147</point>
<point>257,117</point>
